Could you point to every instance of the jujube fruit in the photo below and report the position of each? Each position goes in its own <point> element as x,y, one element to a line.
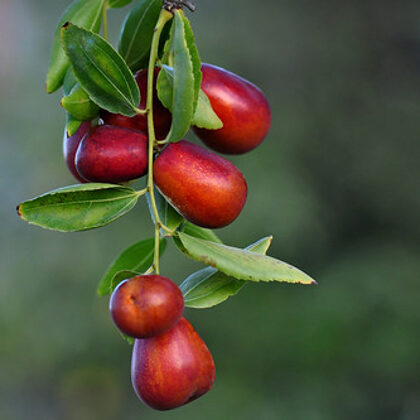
<point>205,188</point>
<point>172,369</point>
<point>161,116</point>
<point>241,106</point>
<point>145,306</point>
<point>112,154</point>
<point>70,145</point>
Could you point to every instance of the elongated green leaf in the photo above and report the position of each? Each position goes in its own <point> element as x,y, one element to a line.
<point>114,4</point>
<point>101,71</point>
<point>183,92</point>
<point>195,58</point>
<point>168,215</point>
<point>199,232</point>
<point>209,287</point>
<point>242,264</point>
<point>78,104</point>
<point>84,13</point>
<point>135,260</point>
<point>165,86</point>
<point>137,32</point>
<point>204,116</point>
<point>78,207</point>
<point>72,124</point>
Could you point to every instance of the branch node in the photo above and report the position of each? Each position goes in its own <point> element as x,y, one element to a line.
<point>178,4</point>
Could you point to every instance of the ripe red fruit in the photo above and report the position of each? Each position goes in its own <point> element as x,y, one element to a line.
<point>112,154</point>
<point>241,106</point>
<point>70,145</point>
<point>145,306</point>
<point>205,188</point>
<point>161,116</point>
<point>172,369</point>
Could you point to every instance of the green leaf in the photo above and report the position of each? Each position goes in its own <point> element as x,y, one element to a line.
<point>242,264</point>
<point>199,232</point>
<point>85,13</point>
<point>101,71</point>
<point>182,104</point>
<point>165,86</point>
<point>168,215</point>
<point>78,104</point>
<point>133,261</point>
<point>69,81</point>
<point>137,33</point>
<point>204,116</point>
<point>209,287</point>
<point>72,124</point>
<point>78,207</point>
<point>114,4</point>
<point>195,58</point>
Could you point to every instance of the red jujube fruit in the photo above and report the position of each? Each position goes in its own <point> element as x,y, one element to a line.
<point>241,106</point>
<point>172,369</point>
<point>112,154</point>
<point>145,306</point>
<point>70,145</point>
<point>205,188</point>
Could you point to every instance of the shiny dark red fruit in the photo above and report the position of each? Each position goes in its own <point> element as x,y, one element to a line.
<point>161,116</point>
<point>241,106</point>
<point>146,306</point>
<point>205,188</point>
<point>172,369</point>
<point>112,154</point>
<point>70,145</point>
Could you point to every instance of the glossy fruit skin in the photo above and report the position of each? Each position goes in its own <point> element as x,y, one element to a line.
<point>112,154</point>
<point>146,306</point>
<point>70,145</point>
<point>241,106</point>
<point>172,369</point>
<point>161,116</point>
<point>205,188</point>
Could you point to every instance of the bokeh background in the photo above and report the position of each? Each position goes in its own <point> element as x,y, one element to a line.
<point>335,182</point>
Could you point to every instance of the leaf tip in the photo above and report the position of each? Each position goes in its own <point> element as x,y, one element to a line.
<point>66,25</point>
<point>19,210</point>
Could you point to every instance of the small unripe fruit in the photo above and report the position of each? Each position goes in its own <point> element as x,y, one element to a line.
<point>241,106</point>
<point>70,145</point>
<point>161,116</point>
<point>146,306</point>
<point>205,188</point>
<point>172,369</point>
<point>112,154</point>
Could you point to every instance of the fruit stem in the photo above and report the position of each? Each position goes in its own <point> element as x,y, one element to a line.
<point>165,16</point>
<point>140,111</point>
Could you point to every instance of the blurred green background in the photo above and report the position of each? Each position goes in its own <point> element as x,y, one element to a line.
<point>335,182</point>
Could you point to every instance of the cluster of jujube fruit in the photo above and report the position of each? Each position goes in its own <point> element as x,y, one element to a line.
<point>115,139</point>
<point>125,121</point>
<point>171,365</point>
<point>205,188</point>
